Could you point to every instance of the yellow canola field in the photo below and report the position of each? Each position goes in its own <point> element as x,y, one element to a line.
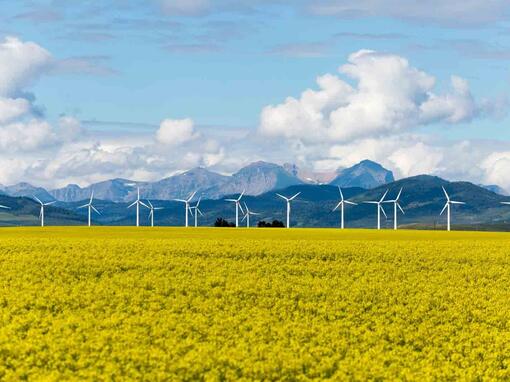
<point>275,304</point>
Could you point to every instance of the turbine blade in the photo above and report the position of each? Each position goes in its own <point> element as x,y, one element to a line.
<point>132,204</point>
<point>39,200</point>
<point>5,207</point>
<point>95,209</point>
<point>50,203</point>
<point>454,202</point>
<point>200,212</point>
<point>281,196</point>
<point>351,203</point>
<point>401,209</point>
<point>371,202</point>
<point>143,204</point>
<point>241,208</point>
<point>507,203</point>
<point>444,208</point>
<point>399,193</point>
<point>240,196</point>
<point>199,199</point>
<point>231,200</point>
<point>244,217</point>
<point>341,193</point>
<point>445,193</point>
<point>382,210</point>
<point>384,195</point>
<point>295,196</point>
<point>191,196</point>
<point>180,200</point>
<point>338,205</point>
<point>85,205</point>
<point>150,204</point>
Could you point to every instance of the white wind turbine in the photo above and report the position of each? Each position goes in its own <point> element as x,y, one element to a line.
<point>288,200</point>
<point>137,203</point>
<point>197,211</point>
<point>342,204</point>
<point>90,207</point>
<point>379,209</point>
<point>41,213</point>
<point>396,207</point>
<point>151,213</point>
<point>186,203</point>
<point>447,207</point>
<point>247,215</point>
<point>238,206</point>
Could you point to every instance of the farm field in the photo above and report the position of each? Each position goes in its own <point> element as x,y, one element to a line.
<point>225,304</point>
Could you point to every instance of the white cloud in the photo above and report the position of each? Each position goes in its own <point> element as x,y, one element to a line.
<point>12,108</point>
<point>497,169</point>
<point>175,132</point>
<point>26,136</point>
<point>21,63</point>
<point>389,97</point>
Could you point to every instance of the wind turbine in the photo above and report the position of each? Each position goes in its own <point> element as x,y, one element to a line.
<point>90,207</point>
<point>151,214</point>
<point>197,211</point>
<point>238,206</point>
<point>342,204</point>
<point>447,207</point>
<point>137,203</point>
<point>41,214</point>
<point>247,215</point>
<point>288,200</point>
<point>186,202</point>
<point>379,209</point>
<point>396,207</point>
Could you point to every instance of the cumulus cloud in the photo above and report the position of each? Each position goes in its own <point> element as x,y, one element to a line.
<point>12,108</point>
<point>26,136</point>
<point>176,132</point>
<point>389,97</point>
<point>21,63</point>
<point>496,167</point>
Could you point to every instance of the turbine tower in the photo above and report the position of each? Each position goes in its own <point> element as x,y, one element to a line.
<point>90,207</point>
<point>41,214</point>
<point>447,207</point>
<point>197,211</point>
<point>151,213</point>
<point>247,215</point>
<point>186,203</point>
<point>396,207</point>
<point>342,204</point>
<point>379,209</point>
<point>137,203</point>
<point>288,200</point>
<point>238,206</point>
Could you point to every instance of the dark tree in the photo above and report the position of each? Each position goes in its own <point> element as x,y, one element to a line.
<point>220,222</point>
<point>275,223</point>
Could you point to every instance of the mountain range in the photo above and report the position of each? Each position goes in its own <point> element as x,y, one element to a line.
<point>256,179</point>
<point>422,200</point>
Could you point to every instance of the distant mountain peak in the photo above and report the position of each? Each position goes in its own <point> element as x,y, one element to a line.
<point>366,174</point>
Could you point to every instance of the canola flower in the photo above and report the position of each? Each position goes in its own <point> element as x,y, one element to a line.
<point>223,304</point>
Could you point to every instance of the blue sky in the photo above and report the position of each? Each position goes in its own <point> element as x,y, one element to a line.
<point>119,69</point>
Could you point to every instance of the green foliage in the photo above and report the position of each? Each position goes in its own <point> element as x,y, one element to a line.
<point>221,304</point>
